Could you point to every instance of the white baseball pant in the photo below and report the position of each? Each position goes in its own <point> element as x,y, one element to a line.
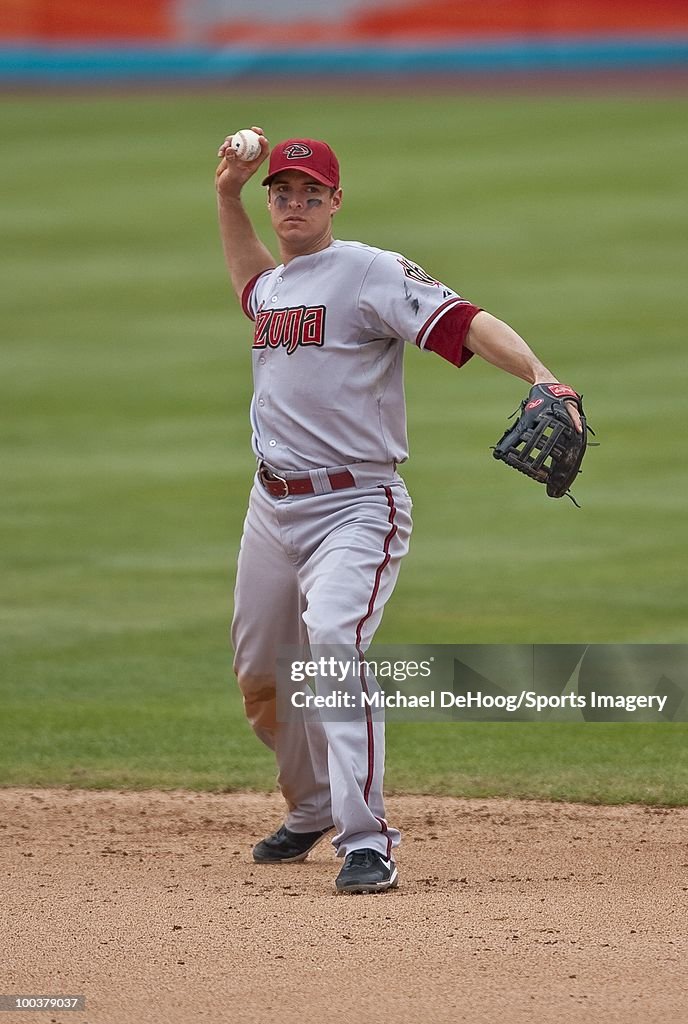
<point>315,571</point>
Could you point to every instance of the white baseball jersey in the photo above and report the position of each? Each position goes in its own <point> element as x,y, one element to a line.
<point>328,354</point>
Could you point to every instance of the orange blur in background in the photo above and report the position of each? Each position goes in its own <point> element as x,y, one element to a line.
<point>158,21</point>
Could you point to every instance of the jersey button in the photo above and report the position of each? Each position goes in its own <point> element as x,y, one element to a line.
<point>272,443</point>
<point>273,299</point>
<point>279,280</point>
<point>261,401</point>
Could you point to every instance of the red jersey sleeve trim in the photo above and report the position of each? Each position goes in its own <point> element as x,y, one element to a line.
<point>246,295</point>
<point>422,335</point>
<point>446,335</point>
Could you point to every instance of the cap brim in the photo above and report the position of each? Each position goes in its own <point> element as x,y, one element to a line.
<point>304,170</point>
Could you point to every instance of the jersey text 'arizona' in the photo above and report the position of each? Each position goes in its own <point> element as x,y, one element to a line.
<point>297,325</point>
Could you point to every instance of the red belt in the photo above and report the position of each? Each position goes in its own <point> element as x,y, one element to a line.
<point>280,487</point>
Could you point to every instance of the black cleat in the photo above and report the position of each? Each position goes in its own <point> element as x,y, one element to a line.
<point>287,847</point>
<point>367,871</point>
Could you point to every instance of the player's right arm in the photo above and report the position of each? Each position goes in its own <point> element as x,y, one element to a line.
<point>245,255</point>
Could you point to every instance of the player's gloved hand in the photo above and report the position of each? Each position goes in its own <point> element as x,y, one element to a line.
<point>546,443</point>
<point>232,173</point>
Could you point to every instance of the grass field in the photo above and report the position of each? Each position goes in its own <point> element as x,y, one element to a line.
<point>125,446</point>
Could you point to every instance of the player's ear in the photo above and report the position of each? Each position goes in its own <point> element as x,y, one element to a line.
<point>336,200</point>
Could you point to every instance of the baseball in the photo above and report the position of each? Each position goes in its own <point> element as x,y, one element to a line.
<point>246,144</point>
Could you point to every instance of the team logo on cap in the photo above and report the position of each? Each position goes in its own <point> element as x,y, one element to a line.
<point>298,151</point>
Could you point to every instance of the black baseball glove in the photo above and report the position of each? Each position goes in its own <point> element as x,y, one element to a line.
<point>543,443</point>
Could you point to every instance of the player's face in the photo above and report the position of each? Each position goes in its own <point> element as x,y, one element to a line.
<point>301,210</point>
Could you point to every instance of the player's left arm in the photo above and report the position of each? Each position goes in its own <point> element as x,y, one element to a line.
<point>499,344</point>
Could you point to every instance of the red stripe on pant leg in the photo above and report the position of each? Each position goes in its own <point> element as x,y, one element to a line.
<point>383,829</point>
<point>359,629</point>
<point>369,730</point>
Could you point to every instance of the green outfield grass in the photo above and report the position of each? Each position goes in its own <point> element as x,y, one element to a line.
<point>126,460</point>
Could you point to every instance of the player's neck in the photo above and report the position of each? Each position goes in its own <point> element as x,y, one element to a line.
<point>290,252</point>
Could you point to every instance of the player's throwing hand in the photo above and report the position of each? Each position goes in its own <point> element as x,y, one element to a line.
<point>233,172</point>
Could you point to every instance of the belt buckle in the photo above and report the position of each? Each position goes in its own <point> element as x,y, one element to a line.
<point>268,477</point>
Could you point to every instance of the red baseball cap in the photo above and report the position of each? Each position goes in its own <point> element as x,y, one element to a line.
<point>308,155</point>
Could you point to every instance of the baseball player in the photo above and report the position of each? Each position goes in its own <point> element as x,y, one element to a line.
<point>329,516</point>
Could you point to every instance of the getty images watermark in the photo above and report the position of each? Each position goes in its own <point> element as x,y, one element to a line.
<point>487,682</point>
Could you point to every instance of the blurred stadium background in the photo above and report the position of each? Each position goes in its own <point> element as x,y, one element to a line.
<point>72,40</point>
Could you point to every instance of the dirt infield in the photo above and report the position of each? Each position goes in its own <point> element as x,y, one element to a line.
<point>150,906</point>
